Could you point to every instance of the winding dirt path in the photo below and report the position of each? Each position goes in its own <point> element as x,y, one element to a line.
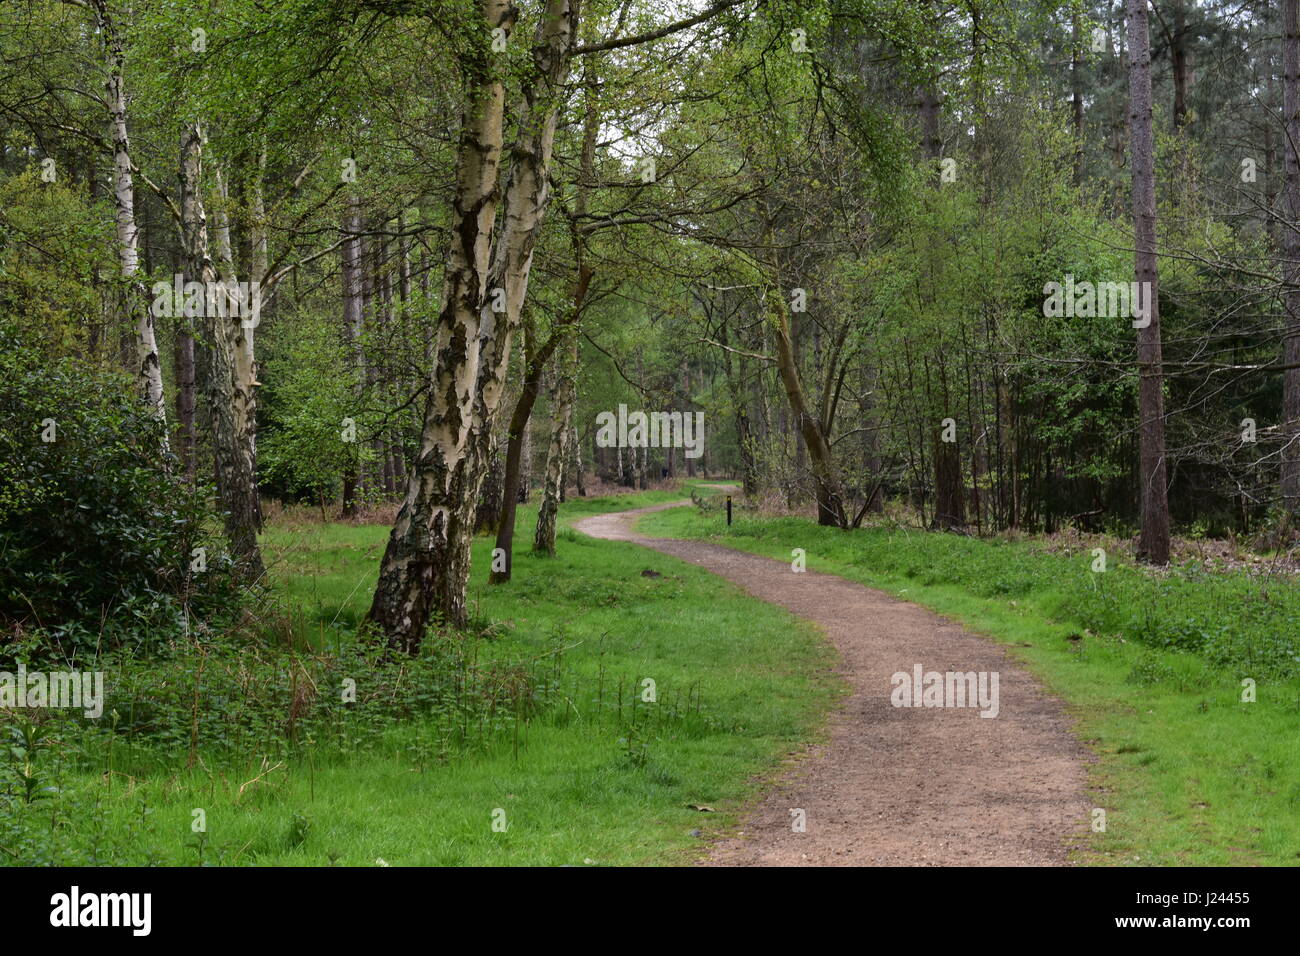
<point>899,786</point>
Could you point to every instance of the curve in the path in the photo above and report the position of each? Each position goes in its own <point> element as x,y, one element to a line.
<point>907,786</point>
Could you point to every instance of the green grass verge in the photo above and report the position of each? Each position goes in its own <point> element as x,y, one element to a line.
<point>605,778</point>
<point>1151,667</point>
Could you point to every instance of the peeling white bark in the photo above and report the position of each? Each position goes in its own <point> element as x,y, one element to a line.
<point>425,566</point>
<point>557,454</point>
<point>236,493</point>
<point>148,369</point>
<point>240,331</point>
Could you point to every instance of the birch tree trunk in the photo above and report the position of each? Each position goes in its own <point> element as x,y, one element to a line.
<point>1153,545</point>
<point>576,443</point>
<point>234,483</point>
<point>558,452</point>
<point>246,382</point>
<point>243,400</point>
<point>148,369</point>
<point>526,198</point>
<point>184,355</point>
<point>426,563</point>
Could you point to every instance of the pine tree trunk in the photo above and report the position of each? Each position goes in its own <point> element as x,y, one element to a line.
<point>353,254</point>
<point>949,500</point>
<point>1290,475</point>
<point>1154,543</point>
<point>1180,60</point>
<point>1076,92</point>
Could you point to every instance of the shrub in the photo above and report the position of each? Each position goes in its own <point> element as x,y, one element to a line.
<point>98,534</point>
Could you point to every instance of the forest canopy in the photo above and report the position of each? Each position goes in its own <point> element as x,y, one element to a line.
<point>992,266</point>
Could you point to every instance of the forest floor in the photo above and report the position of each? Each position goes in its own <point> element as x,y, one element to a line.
<point>894,785</point>
<point>674,714</point>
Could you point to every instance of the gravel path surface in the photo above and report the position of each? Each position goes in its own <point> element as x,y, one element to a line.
<point>899,786</point>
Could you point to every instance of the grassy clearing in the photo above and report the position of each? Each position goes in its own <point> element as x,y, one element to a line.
<point>1151,667</point>
<point>591,773</point>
